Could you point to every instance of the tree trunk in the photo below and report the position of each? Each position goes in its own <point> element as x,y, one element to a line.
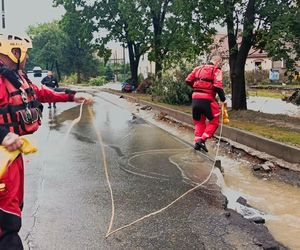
<point>238,55</point>
<point>158,66</point>
<point>58,71</point>
<point>158,21</point>
<point>157,46</point>
<point>238,89</point>
<point>134,59</point>
<point>78,76</point>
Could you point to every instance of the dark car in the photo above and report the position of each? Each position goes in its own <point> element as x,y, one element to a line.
<point>127,86</point>
<point>37,71</point>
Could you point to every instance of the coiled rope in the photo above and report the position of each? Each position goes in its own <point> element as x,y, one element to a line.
<point>110,231</point>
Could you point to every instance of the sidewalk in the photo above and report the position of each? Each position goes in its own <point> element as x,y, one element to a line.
<point>279,150</point>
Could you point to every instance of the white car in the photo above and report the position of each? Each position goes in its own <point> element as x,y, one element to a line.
<point>37,71</point>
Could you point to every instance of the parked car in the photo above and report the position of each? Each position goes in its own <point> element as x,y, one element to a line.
<point>126,86</point>
<point>37,71</point>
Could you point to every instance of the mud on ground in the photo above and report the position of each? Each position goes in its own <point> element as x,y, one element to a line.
<point>282,128</point>
<point>282,121</point>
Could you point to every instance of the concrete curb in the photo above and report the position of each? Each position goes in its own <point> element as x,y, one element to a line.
<point>282,151</point>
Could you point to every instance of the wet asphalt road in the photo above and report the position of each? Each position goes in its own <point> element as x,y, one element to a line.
<point>67,202</point>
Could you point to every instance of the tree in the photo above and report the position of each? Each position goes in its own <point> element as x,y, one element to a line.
<point>47,49</point>
<point>246,21</point>
<point>171,30</point>
<point>283,43</point>
<point>180,30</point>
<point>124,22</point>
<point>79,48</point>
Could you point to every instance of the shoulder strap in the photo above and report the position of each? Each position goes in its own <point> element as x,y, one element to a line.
<point>11,76</point>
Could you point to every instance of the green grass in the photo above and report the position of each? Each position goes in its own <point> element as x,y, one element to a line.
<point>269,93</point>
<point>284,135</point>
<point>279,86</point>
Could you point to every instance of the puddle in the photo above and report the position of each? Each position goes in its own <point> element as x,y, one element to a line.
<point>271,106</point>
<point>279,202</point>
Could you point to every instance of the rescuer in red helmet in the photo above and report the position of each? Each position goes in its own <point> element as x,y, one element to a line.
<point>20,114</point>
<point>206,81</point>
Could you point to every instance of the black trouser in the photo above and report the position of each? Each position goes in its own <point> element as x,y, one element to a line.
<point>201,107</point>
<point>54,104</point>
<point>10,225</point>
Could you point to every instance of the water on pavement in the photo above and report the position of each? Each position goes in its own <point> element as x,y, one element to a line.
<point>272,106</point>
<point>279,202</point>
<point>67,202</point>
<point>67,180</point>
<point>275,201</point>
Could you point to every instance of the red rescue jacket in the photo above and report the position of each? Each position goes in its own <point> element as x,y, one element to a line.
<point>204,79</point>
<point>20,106</point>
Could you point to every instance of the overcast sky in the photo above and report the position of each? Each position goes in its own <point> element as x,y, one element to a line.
<point>19,14</point>
<point>22,13</point>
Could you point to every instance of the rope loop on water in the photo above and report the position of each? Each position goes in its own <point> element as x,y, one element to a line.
<point>99,137</point>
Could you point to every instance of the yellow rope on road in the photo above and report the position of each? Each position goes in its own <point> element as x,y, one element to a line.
<point>106,173</point>
<point>179,198</point>
<point>110,231</point>
<point>75,121</point>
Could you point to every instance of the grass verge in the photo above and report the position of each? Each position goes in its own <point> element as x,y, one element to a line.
<point>278,94</point>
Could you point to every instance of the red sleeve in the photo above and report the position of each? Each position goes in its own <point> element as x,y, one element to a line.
<point>45,95</point>
<point>190,78</point>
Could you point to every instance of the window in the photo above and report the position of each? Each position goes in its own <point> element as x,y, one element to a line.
<point>257,66</point>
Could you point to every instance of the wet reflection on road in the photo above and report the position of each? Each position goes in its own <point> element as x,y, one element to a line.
<point>148,169</point>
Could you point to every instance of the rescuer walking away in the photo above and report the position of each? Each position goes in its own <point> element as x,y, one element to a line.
<point>206,81</point>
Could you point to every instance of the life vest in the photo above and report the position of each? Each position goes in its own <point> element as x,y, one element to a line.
<point>22,113</point>
<point>204,79</point>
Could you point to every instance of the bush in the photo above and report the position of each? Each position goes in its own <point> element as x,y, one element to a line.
<point>97,81</point>
<point>70,80</point>
<point>172,88</point>
<point>145,85</point>
<point>172,91</point>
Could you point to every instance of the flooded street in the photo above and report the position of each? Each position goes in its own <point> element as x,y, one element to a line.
<point>68,206</point>
<point>272,106</point>
<point>278,201</point>
<point>36,80</point>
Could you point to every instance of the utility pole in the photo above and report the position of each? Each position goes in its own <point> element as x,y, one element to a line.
<point>3,15</point>
<point>124,64</point>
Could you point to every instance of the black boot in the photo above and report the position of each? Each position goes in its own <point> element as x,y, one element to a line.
<point>200,145</point>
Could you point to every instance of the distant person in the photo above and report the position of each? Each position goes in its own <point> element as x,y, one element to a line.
<point>206,81</point>
<point>51,82</point>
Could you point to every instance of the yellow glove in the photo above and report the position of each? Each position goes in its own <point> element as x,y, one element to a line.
<point>6,157</point>
<point>225,114</point>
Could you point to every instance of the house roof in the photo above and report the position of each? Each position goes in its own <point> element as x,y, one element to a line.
<point>220,46</point>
